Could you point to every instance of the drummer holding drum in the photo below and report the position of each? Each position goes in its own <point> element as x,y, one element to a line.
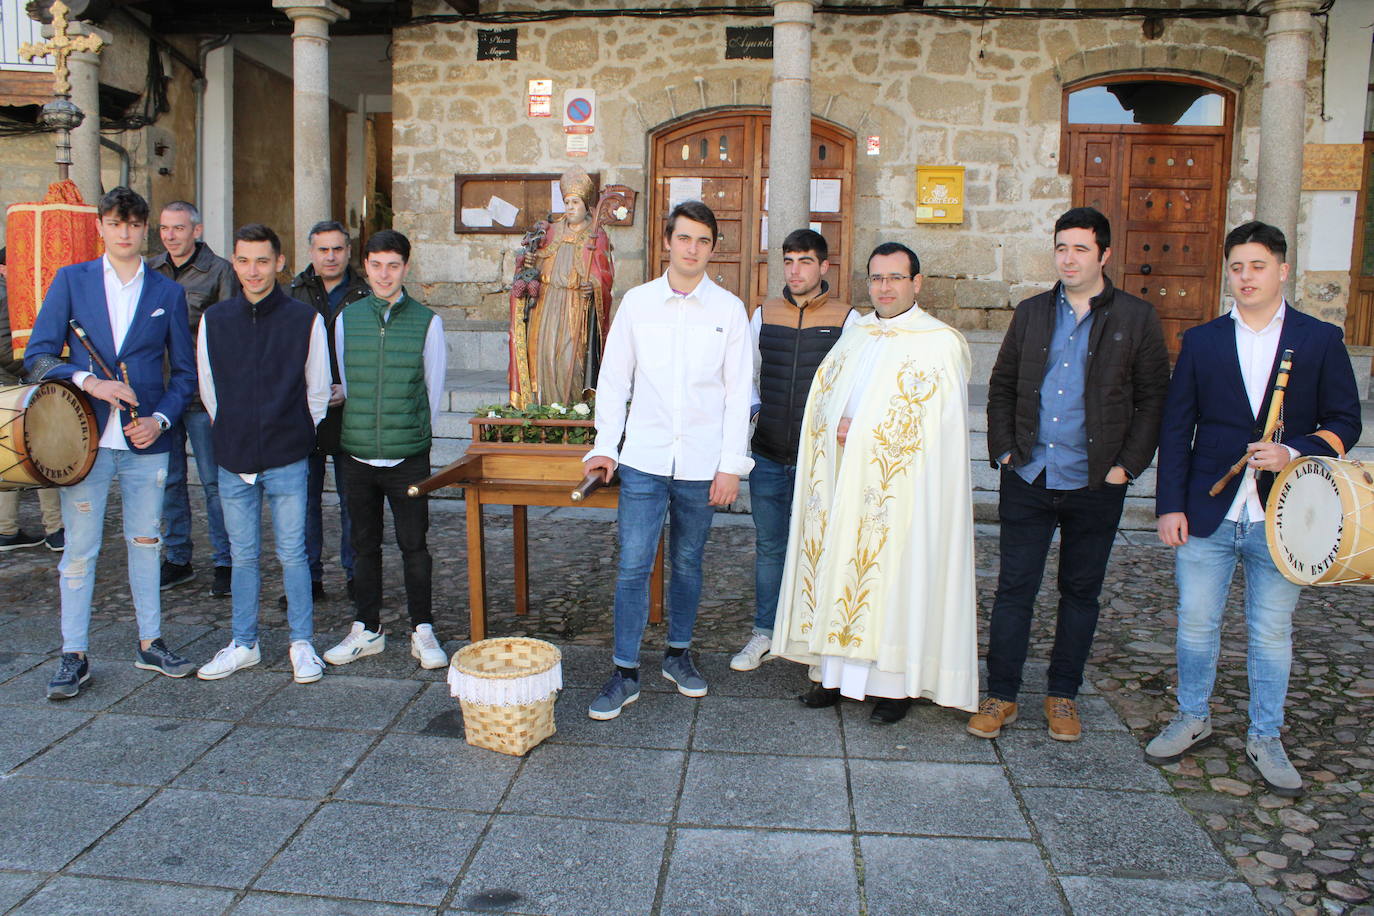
<point>1220,394</point>
<point>133,319</point>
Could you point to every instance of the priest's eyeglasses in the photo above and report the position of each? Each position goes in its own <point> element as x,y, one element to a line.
<point>884,279</point>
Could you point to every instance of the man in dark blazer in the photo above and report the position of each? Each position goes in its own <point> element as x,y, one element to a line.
<point>1217,405</point>
<point>136,320</point>
<point>1073,415</point>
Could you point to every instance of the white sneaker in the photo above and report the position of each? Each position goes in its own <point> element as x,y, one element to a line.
<point>305,664</point>
<point>751,656</point>
<point>424,645</point>
<point>359,642</point>
<point>228,660</point>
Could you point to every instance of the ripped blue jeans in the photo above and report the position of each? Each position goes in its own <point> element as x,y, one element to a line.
<point>142,479</point>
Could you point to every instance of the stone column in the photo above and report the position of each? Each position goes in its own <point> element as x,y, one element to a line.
<point>1287,43</point>
<point>310,111</point>
<point>789,145</point>
<point>85,78</point>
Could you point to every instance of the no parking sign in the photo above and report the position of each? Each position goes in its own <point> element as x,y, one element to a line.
<point>579,111</point>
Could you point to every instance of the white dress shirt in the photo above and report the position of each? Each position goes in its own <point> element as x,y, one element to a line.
<point>684,365</point>
<point>317,377</point>
<point>1256,350</point>
<point>436,371</point>
<point>121,299</point>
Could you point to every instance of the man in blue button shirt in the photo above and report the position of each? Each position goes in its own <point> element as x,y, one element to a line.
<point>1074,405</point>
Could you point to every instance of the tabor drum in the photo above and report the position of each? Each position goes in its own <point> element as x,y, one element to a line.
<point>47,435</point>
<point>1320,522</point>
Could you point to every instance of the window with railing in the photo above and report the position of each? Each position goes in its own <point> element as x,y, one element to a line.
<point>16,28</point>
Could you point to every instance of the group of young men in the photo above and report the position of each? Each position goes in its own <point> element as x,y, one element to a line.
<point>187,345</point>
<point>859,473</point>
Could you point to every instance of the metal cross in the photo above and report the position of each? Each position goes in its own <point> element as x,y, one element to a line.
<point>61,46</point>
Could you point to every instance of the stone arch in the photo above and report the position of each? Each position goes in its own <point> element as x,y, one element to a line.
<point>1218,64</point>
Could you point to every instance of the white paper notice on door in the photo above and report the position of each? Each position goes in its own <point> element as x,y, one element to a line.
<point>556,197</point>
<point>681,190</point>
<point>476,217</point>
<point>825,195</point>
<point>503,211</point>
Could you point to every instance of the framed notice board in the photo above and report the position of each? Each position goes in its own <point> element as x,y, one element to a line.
<point>507,203</point>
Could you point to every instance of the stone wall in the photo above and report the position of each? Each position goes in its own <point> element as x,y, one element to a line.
<point>936,92</point>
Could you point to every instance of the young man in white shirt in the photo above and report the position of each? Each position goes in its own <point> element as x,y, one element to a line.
<point>680,347</point>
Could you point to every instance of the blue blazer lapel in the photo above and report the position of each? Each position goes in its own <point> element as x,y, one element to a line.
<point>146,302</point>
<point>95,317</point>
<point>1291,337</point>
<point>1229,359</point>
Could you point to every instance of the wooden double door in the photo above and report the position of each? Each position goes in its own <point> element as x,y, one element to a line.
<point>722,160</point>
<point>1164,190</point>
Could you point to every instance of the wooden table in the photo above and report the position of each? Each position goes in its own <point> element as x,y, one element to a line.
<point>520,476</point>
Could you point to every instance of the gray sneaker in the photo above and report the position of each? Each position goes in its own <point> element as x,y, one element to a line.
<point>681,671</point>
<point>1185,733</point>
<point>619,691</point>
<point>1268,757</point>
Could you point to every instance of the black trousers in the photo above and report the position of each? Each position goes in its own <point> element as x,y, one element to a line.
<point>1087,521</point>
<point>366,488</point>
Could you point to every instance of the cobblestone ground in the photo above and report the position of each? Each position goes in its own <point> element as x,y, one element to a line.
<point>1313,855</point>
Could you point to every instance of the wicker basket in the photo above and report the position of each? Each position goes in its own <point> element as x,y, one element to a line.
<point>507,687</point>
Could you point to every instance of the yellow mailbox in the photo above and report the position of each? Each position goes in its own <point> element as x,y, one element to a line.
<point>939,194</point>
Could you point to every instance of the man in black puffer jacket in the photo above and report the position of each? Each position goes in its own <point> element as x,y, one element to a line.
<point>1074,407</point>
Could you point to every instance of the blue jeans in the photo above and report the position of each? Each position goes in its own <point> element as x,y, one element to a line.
<point>646,500</point>
<point>770,497</point>
<point>314,519</point>
<point>285,489</point>
<point>141,481</point>
<point>1204,567</point>
<point>176,505</point>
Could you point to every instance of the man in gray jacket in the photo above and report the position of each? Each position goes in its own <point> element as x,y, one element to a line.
<point>207,279</point>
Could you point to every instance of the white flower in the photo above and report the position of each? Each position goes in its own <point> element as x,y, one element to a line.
<point>581,410</point>
<point>557,406</point>
<point>491,414</point>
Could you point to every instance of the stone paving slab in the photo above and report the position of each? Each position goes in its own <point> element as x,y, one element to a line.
<point>1095,712</point>
<point>905,875</point>
<point>655,720</point>
<point>204,838</point>
<point>432,771</point>
<point>26,732</point>
<point>388,853</point>
<point>119,641</point>
<point>756,790</point>
<point>929,732</point>
<point>563,866</point>
<point>1103,760</point>
<point>40,632</point>
<point>14,663</point>
<point>14,886</point>
<point>116,748</point>
<point>433,712</point>
<point>339,701</point>
<point>943,799</point>
<point>770,872</point>
<point>1149,897</point>
<point>573,781</point>
<point>1090,831</point>
<point>277,760</point>
<point>110,682</point>
<point>766,726</point>
<point>260,903</point>
<point>231,698</point>
<point>72,896</point>
<point>28,803</point>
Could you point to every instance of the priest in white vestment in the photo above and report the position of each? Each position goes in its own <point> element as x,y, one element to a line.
<point>878,586</point>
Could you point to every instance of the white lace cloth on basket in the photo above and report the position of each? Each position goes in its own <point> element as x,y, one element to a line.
<point>511,691</point>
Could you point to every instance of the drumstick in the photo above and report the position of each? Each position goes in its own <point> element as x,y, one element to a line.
<point>124,371</point>
<point>1272,423</point>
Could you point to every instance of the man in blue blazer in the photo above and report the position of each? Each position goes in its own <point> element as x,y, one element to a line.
<point>1215,412</point>
<point>136,320</point>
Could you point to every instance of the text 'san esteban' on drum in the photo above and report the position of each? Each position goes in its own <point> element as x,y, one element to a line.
<point>1320,522</point>
<point>47,435</point>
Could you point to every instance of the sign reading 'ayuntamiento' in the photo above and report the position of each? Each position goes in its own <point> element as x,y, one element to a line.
<point>752,42</point>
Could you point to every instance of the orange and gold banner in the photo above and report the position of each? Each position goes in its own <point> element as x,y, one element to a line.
<point>40,238</point>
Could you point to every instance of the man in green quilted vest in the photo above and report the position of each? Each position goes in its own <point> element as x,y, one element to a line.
<point>392,358</point>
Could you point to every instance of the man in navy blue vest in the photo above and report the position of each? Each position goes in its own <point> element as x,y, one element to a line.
<point>1218,400</point>
<point>264,380</point>
<point>792,334</point>
<point>136,320</point>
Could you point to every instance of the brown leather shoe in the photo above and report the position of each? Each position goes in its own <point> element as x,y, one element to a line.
<point>1062,714</point>
<point>992,714</point>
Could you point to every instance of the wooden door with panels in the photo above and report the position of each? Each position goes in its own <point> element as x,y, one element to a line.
<point>1359,314</point>
<point>722,160</point>
<point>1163,188</point>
